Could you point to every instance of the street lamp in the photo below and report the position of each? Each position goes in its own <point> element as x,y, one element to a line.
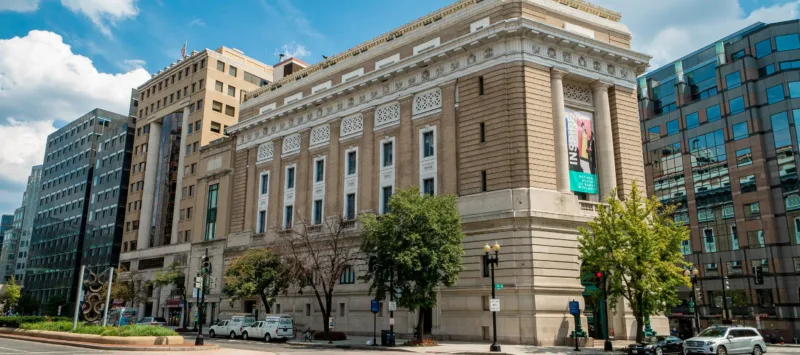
<point>492,261</point>
<point>693,274</point>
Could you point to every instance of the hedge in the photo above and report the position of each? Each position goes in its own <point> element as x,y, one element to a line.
<point>335,336</point>
<point>16,321</point>
<point>124,331</point>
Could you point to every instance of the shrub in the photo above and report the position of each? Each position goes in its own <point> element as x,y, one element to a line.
<point>335,336</point>
<point>16,321</point>
<point>60,326</point>
<point>145,330</point>
<point>423,342</point>
<point>126,331</point>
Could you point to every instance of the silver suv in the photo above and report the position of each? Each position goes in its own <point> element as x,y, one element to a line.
<point>724,340</point>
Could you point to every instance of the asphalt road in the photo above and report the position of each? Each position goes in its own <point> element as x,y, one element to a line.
<point>13,346</point>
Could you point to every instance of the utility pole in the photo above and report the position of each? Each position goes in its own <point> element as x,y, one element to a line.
<point>725,286</point>
<point>205,270</point>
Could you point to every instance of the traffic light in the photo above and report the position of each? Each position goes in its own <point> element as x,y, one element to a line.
<point>727,284</point>
<point>758,271</point>
<point>205,267</point>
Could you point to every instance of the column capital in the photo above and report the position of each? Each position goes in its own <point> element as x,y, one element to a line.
<point>599,85</point>
<point>406,99</point>
<point>369,111</point>
<point>448,86</point>
<point>556,73</point>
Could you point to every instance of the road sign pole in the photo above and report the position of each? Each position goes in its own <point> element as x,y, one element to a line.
<point>78,299</point>
<point>108,296</point>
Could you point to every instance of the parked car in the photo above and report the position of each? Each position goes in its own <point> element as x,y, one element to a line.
<point>725,340</point>
<point>160,321</point>
<point>657,345</point>
<point>280,327</point>
<point>233,327</point>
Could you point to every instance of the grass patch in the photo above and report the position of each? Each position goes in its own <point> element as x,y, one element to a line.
<point>125,331</point>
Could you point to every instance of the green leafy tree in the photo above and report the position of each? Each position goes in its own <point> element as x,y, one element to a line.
<point>258,272</point>
<point>129,287</point>
<point>51,305</point>
<point>27,304</point>
<point>175,277</point>
<point>11,294</point>
<point>417,248</point>
<point>636,244</point>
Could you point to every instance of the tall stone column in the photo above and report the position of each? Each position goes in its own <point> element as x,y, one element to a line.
<point>179,184</point>
<point>604,139</point>
<point>148,193</point>
<point>275,204</point>
<point>333,189</point>
<point>448,141</point>
<point>367,166</point>
<point>405,146</point>
<point>560,130</point>
<point>303,179</point>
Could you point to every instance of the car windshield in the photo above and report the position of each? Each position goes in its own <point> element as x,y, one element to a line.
<point>713,332</point>
<point>159,319</point>
<point>653,340</point>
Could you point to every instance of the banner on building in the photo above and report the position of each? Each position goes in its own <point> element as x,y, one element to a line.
<point>581,151</point>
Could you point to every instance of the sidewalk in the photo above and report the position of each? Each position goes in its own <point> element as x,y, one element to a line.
<point>453,347</point>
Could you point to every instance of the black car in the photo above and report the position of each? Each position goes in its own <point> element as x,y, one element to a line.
<point>657,345</point>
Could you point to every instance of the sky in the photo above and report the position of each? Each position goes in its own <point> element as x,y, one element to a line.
<point>59,59</point>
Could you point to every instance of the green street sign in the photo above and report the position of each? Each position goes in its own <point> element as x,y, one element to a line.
<point>691,303</point>
<point>498,286</point>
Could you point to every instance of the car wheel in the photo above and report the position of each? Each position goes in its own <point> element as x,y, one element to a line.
<point>211,333</point>
<point>267,338</point>
<point>659,351</point>
<point>757,350</point>
<point>721,350</point>
<point>244,336</point>
<point>233,335</point>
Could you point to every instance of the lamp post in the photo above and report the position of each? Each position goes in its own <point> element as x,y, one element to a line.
<point>693,274</point>
<point>492,261</point>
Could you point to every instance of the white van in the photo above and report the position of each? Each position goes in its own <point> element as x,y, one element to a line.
<point>274,326</point>
<point>233,327</point>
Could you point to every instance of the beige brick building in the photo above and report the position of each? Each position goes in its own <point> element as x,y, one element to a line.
<point>526,109</point>
<point>180,110</point>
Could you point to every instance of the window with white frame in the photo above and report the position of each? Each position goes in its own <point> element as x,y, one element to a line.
<point>317,212</point>
<point>350,206</point>
<point>387,153</point>
<point>709,240</point>
<point>264,184</point>
<point>352,162</point>
<point>427,144</point>
<point>290,177</point>
<point>386,195</point>
<point>287,216</point>
<point>427,160</point>
<point>428,186</point>
<point>319,170</point>
<point>262,221</point>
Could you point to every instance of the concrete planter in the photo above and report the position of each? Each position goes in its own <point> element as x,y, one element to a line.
<point>97,339</point>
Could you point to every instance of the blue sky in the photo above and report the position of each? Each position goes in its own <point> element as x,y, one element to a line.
<point>62,58</point>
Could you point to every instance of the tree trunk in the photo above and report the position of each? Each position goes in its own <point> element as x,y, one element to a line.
<point>420,324</point>
<point>267,306</point>
<point>327,316</point>
<point>639,327</point>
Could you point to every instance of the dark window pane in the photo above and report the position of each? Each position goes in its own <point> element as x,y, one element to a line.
<point>775,94</point>
<point>794,89</point>
<point>737,55</point>
<point>787,42</point>
<point>740,131</point>
<point>654,133</point>
<point>763,48</point>
<point>736,105</point>
<point>713,113</point>
<point>733,80</point>
<point>692,120</point>
<point>672,127</point>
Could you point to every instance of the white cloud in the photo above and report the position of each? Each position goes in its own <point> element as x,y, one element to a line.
<point>103,12</point>
<point>293,50</point>
<point>42,80</point>
<point>133,64</point>
<point>668,30</point>
<point>197,22</point>
<point>19,5</point>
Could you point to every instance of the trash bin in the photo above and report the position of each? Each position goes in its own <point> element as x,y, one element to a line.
<point>387,338</point>
<point>390,339</point>
<point>383,337</point>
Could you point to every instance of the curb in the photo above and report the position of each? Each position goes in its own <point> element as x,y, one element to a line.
<point>351,347</point>
<point>111,347</point>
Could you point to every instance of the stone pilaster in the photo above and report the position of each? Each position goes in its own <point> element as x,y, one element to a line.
<point>333,173</point>
<point>304,182</point>
<point>448,142</point>
<point>560,130</point>
<point>405,146</point>
<point>368,176</point>
<point>604,139</point>
<point>276,187</point>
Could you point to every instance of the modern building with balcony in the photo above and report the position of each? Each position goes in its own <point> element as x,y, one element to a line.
<point>719,133</point>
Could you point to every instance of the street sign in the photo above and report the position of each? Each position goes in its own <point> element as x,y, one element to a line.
<point>59,310</point>
<point>391,321</point>
<point>330,322</point>
<point>375,306</point>
<point>392,306</point>
<point>498,286</point>
<point>758,321</point>
<point>198,282</point>
<point>574,308</point>
<point>494,305</point>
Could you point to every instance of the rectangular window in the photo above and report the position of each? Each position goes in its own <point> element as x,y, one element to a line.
<point>752,211</point>
<point>287,217</point>
<point>787,42</point>
<point>290,178</point>
<point>348,277</point>
<point>709,241</point>
<point>733,80</point>
<point>794,64</point>
<point>480,85</point>
<point>387,154</point>
<point>221,66</point>
<point>350,213</point>
<point>737,55</point>
<point>216,106</point>
<point>319,171</point>
<point>736,105</point>
<point>483,132</point>
<point>483,181</point>
<point>740,131</point>
<point>756,240</point>
<point>351,163</point>
<point>230,110</point>
<point>211,212</point>
<point>218,86</point>
<point>486,266</point>
<point>692,120</point>
<point>763,48</point>
<point>766,70</point>
<point>262,221</point>
<point>744,157</point>
<point>794,89</point>
<point>747,183</point>
<point>427,144</point>
<point>654,133</point>
<point>672,127</point>
<point>775,94</point>
<point>780,132</point>
<point>264,184</point>
<point>216,127</point>
<point>232,70</point>
<point>428,186</point>
<point>318,212</point>
<point>385,197</point>
<point>231,91</point>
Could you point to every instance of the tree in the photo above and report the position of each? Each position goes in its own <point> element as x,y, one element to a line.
<point>637,246</point>
<point>51,305</point>
<point>175,277</point>
<point>27,304</point>
<point>317,256</point>
<point>129,287</point>
<point>417,247</point>
<point>258,272</point>
<point>11,294</point>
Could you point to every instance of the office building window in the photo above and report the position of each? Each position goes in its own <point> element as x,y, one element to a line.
<point>319,170</point>
<point>752,211</point>
<point>290,178</point>
<point>230,110</point>
<point>350,208</point>
<point>480,85</point>
<point>794,64</point>
<point>483,132</point>
<point>317,212</point>
<point>231,91</point>
<point>483,181</point>
<point>740,131</point>
<point>211,212</point>
<point>781,135</point>
<point>216,127</point>
<point>262,221</point>
<point>692,120</point>
<point>264,183</point>
<point>775,94</point>
<point>216,106</point>
<point>736,105</point>
<point>385,197</point>
<point>427,144</point>
<point>348,277</point>
<point>288,214</point>
<point>672,127</point>
<point>766,70</point>
<point>747,183</point>
<point>738,55</point>
<point>794,89</point>
<point>654,133</point>
<point>387,154</point>
<point>763,48</point>
<point>232,70</point>
<point>218,86</point>
<point>221,66</point>
<point>428,187</point>
<point>713,113</point>
<point>744,157</point>
<point>733,80</point>
<point>351,163</point>
<point>787,42</point>
<point>756,240</point>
